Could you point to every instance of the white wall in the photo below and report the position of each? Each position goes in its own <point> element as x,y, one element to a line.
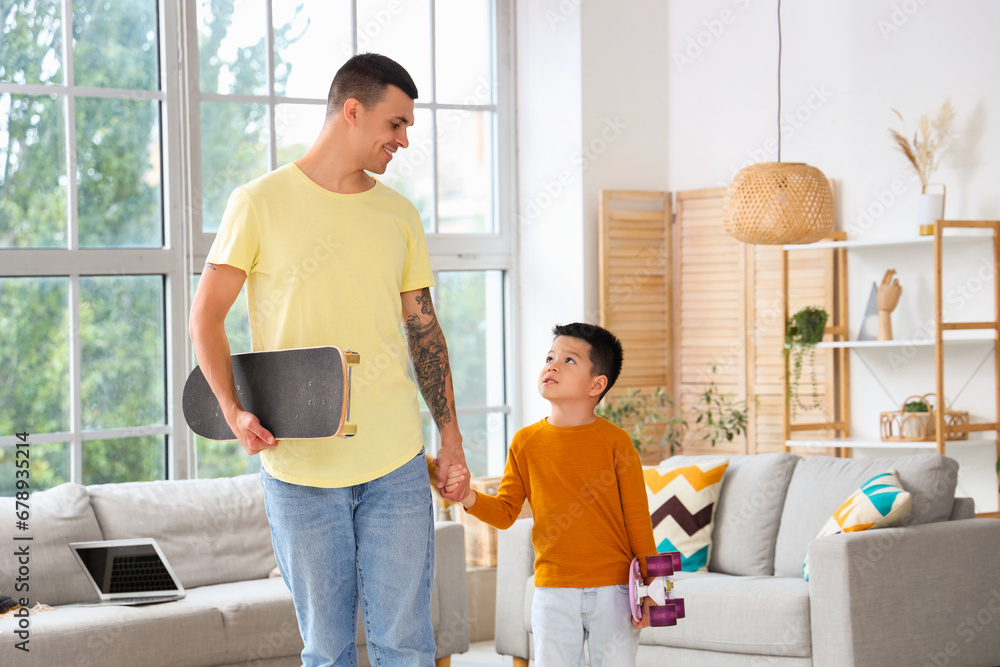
<point>680,95</point>
<point>591,116</point>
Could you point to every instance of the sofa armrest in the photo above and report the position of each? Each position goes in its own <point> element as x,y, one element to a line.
<point>925,594</point>
<point>450,597</point>
<point>963,508</point>
<point>515,565</point>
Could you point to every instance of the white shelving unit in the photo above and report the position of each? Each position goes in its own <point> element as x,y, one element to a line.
<point>950,338</point>
<point>869,443</point>
<point>945,335</point>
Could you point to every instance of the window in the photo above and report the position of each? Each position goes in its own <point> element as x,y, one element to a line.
<point>116,161</point>
<point>82,239</point>
<point>260,107</point>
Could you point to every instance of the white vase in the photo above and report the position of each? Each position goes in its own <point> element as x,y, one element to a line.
<point>929,210</point>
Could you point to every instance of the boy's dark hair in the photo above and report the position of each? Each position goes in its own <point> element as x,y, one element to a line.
<point>365,77</point>
<point>606,353</point>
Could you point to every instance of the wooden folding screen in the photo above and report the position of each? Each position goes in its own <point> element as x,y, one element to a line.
<point>686,296</point>
<point>635,251</point>
<point>711,317</point>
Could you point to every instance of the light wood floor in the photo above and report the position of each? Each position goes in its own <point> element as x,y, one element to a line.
<point>481,654</point>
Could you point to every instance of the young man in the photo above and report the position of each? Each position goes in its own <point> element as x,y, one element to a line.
<point>584,481</point>
<point>331,256</point>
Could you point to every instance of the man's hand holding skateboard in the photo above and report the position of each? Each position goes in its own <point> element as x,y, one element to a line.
<point>250,433</point>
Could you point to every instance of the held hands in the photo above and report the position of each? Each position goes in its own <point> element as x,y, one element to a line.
<point>456,475</point>
<point>453,473</point>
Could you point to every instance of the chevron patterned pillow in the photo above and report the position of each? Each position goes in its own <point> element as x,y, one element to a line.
<point>682,503</point>
<point>881,502</point>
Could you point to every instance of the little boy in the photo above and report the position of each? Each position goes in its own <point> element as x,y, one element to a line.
<point>583,479</point>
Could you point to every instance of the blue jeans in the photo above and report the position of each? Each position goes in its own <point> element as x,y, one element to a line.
<point>563,619</point>
<point>376,538</point>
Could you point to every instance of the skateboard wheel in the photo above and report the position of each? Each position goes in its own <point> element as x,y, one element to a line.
<point>679,605</point>
<point>663,615</point>
<point>660,565</point>
<point>676,555</point>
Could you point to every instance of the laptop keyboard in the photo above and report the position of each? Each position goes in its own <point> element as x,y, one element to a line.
<point>133,574</point>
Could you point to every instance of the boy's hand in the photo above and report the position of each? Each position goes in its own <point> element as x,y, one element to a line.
<point>647,602</point>
<point>456,475</point>
<point>448,456</point>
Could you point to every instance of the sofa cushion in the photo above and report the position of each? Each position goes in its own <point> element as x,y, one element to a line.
<point>682,500</point>
<point>57,517</point>
<point>212,531</point>
<point>881,502</point>
<point>750,615</point>
<point>767,616</point>
<point>748,513</point>
<point>820,484</point>
<point>258,619</point>
<point>173,633</point>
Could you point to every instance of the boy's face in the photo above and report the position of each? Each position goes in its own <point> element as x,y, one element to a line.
<point>567,373</point>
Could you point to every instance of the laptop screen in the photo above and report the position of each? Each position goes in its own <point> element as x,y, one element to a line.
<point>126,567</point>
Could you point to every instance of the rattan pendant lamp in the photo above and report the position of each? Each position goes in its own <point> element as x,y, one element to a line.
<point>778,202</point>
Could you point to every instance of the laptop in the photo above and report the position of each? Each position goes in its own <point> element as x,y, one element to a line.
<point>127,572</point>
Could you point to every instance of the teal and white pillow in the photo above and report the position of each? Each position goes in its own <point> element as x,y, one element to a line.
<point>881,502</point>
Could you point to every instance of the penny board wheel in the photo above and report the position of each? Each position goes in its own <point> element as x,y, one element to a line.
<point>663,615</point>
<point>660,565</point>
<point>679,605</point>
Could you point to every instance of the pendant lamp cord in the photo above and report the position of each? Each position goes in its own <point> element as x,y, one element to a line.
<point>779,80</point>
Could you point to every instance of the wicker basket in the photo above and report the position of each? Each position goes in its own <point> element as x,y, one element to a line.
<point>778,202</point>
<point>902,426</point>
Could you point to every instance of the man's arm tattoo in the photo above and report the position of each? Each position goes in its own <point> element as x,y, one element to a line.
<point>429,354</point>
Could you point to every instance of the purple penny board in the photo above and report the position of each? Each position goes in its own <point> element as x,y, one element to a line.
<point>297,393</point>
<point>669,610</point>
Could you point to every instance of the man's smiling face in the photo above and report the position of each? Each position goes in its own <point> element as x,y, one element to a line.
<point>383,129</point>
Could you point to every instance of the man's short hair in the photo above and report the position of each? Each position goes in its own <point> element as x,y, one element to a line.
<point>606,353</point>
<point>365,78</point>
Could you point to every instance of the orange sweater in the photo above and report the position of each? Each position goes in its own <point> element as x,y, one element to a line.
<point>588,498</point>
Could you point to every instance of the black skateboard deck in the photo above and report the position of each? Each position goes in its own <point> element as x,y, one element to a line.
<point>298,393</point>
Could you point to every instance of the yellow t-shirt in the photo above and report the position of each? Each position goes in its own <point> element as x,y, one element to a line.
<point>328,269</point>
<point>588,499</point>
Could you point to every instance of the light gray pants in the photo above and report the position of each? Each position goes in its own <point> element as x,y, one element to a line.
<point>563,619</point>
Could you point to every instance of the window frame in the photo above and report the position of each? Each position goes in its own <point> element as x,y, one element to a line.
<point>448,251</point>
<point>74,263</point>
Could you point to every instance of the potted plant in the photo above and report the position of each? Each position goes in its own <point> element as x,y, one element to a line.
<point>636,412</point>
<point>802,332</point>
<point>916,427</point>
<point>720,415</point>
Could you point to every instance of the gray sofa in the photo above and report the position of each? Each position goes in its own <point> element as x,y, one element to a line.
<point>924,594</point>
<point>215,535</point>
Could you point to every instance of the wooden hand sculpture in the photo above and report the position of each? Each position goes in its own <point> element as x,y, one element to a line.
<point>886,298</point>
